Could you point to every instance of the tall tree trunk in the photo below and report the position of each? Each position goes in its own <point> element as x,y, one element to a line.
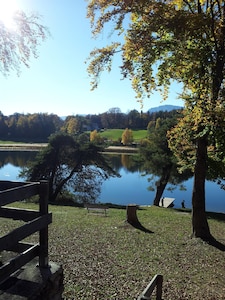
<point>161,185</point>
<point>200,225</point>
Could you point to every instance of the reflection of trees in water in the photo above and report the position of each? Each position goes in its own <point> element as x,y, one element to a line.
<point>114,161</point>
<point>16,158</point>
<point>132,163</point>
<point>129,162</point>
<point>126,161</point>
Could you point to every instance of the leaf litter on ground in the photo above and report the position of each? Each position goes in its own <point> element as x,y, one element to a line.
<point>105,258</point>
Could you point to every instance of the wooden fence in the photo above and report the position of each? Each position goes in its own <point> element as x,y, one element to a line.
<point>35,221</point>
<point>156,282</point>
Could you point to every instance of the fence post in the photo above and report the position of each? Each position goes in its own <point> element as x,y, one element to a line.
<point>157,282</point>
<point>43,235</point>
<point>159,287</point>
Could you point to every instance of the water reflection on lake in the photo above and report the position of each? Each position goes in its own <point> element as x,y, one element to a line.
<point>11,163</point>
<point>131,187</point>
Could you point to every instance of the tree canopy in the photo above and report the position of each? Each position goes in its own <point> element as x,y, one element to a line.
<point>181,40</point>
<point>20,43</point>
<point>127,137</point>
<point>159,160</point>
<point>68,164</point>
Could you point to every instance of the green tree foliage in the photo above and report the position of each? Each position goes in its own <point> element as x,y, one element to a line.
<point>127,137</point>
<point>158,157</point>
<point>19,44</point>
<point>74,125</point>
<point>30,127</point>
<point>3,126</point>
<point>135,119</point>
<point>66,163</point>
<point>115,119</point>
<point>171,40</point>
<point>39,126</point>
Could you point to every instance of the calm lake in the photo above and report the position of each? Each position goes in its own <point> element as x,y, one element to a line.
<point>131,187</point>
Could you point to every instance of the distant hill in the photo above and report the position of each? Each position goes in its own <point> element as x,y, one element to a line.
<point>164,108</point>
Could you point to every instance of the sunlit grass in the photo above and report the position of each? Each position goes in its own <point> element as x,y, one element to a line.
<point>116,134</point>
<point>104,258</point>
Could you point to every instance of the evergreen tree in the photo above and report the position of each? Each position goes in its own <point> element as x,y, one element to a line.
<point>66,163</point>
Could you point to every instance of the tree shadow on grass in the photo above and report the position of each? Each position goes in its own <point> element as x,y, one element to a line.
<point>216,216</point>
<point>214,243</point>
<point>139,226</point>
<point>210,215</point>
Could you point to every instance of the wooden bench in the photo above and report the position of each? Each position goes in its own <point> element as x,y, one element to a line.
<point>98,208</point>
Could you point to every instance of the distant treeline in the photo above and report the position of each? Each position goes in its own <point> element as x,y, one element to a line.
<point>39,126</point>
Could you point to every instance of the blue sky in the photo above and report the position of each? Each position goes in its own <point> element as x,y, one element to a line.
<point>57,82</point>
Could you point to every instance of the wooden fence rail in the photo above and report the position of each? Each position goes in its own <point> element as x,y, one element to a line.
<point>36,221</point>
<point>156,282</point>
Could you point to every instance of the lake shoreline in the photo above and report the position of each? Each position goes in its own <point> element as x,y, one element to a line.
<point>121,149</point>
<point>130,187</point>
<point>22,147</point>
<point>40,146</point>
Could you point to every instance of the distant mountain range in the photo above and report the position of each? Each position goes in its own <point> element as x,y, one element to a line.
<point>151,110</point>
<point>164,108</point>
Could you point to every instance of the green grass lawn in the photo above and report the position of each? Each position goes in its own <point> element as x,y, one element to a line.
<point>116,134</point>
<point>104,258</point>
<point>109,134</point>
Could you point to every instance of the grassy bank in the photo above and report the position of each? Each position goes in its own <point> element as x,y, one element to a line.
<point>103,258</point>
<point>116,134</point>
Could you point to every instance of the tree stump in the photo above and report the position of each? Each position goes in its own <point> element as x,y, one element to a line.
<point>132,214</point>
<point>132,218</point>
